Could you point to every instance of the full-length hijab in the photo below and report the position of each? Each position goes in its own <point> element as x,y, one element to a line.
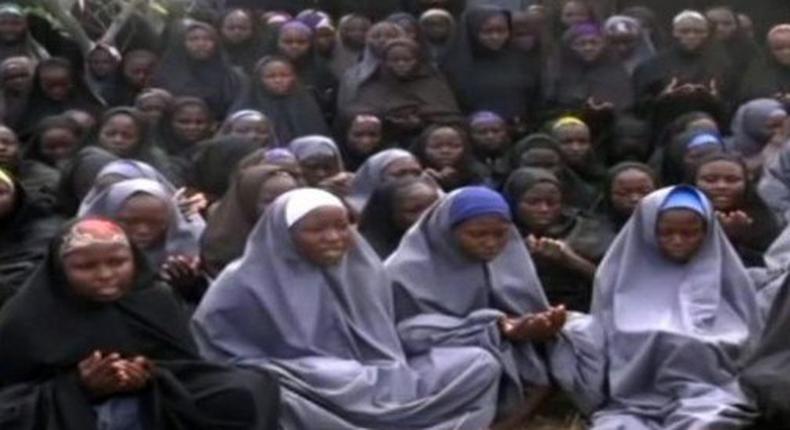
<point>329,334</point>
<point>674,332</point>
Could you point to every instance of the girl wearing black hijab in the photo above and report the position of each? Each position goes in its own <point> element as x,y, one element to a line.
<point>195,65</point>
<point>770,76</point>
<point>55,140</point>
<point>487,72</point>
<point>129,360</point>
<point>242,38</point>
<point>26,227</point>
<point>626,184</point>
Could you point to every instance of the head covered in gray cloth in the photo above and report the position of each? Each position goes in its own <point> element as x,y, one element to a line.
<point>182,238</point>
<point>371,174</point>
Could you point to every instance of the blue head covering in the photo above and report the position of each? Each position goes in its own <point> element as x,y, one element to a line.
<point>686,197</point>
<point>471,202</point>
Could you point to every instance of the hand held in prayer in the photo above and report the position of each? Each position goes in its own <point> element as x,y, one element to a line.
<point>180,271</point>
<point>547,248</point>
<point>736,224</point>
<point>99,376</point>
<point>134,374</point>
<point>538,327</point>
<point>190,205</point>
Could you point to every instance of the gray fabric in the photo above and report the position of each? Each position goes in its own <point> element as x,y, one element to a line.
<point>749,134</point>
<point>443,296</point>
<point>357,75</point>
<point>308,146</point>
<point>329,334</point>
<point>674,333</point>
<point>769,279</point>
<point>370,176</point>
<point>774,186</point>
<point>133,169</point>
<point>181,238</point>
<point>119,413</point>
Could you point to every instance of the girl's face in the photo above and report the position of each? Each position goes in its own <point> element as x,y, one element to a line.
<point>402,168</point>
<point>152,108</point>
<point>278,78</point>
<point>412,203</point>
<point>401,61</point>
<point>138,70</point>
<point>12,28</point>
<point>323,236</point>
<point>575,12</point>
<point>56,83</point>
<point>120,135</point>
<point>9,148</point>
<point>17,78</point>
<point>482,238</point>
<point>589,48</point>
<point>725,24</point>
<point>542,158</point>
<point>237,27</point>
<point>623,44</point>
<point>145,219</point>
<point>100,272</point>
<point>779,43</point>
<point>353,32</point>
<point>444,148</point>
<point>575,144</point>
<point>724,182</point>
<point>200,44</point>
<point>364,137</point>
<point>318,168</point>
<point>294,42</point>
<point>494,33</point>
<point>680,234</point>
<point>102,63</point>
<point>253,129</point>
<point>272,188</point>
<point>381,34</point>
<point>490,136</point>
<point>192,123</point>
<point>58,144</point>
<point>324,40</point>
<point>691,34</point>
<point>540,206</point>
<point>436,29</point>
<point>7,197</point>
<point>628,189</point>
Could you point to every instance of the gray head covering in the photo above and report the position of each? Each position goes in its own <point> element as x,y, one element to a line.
<point>621,24</point>
<point>308,146</point>
<point>329,333</point>
<point>749,135</point>
<point>674,328</point>
<point>432,275</point>
<point>371,174</point>
<point>133,169</point>
<point>181,237</point>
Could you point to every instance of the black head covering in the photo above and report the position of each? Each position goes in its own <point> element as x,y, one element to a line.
<point>605,206</point>
<point>215,161</point>
<point>213,80</point>
<point>78,176</point>
<point>46,124</point>
<point>247,53</point>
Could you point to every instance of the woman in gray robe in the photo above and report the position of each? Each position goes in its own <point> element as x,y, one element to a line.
<point>327,330</point>
<point>675,331</point>
<point>377,170</point>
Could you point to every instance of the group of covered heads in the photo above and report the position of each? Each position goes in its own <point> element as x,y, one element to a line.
<point>375,215</point>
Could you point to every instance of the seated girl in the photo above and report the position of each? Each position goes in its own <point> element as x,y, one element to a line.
<point>128,360</point>
<point>310,301</point>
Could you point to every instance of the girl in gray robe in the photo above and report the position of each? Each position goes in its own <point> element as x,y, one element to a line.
<point>328,332</point>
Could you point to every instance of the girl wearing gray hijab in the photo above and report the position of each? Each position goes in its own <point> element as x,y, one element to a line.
<point>387,164</point>
<point>463,276</point>
<point>679,312</point>
<point>310,301</point>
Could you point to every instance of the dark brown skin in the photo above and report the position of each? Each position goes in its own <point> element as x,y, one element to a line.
<point>145,219</point>
<point>323,236</point>
<point>119,135</point>
<point>680,234</point>
<point>628,189</point>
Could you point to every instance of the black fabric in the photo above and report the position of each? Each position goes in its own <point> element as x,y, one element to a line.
<point>506,82</point>
<point>765,78</point>
<point>46,331</point>
<point>215,161</point>
<point>294,115</point>
<point>78,175</point>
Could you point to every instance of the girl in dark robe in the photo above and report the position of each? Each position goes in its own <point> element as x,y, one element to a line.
<point>693,74</point>
<point>251,125</point>
<point>16,37</point>
<point>350,43</point>
<point>543,151</point>
<point>749,223</point>
<point>16,84</point>
<point>438,26</point>
<point>137,68</point>
<point>152,104</point>
<point>487,72</point>
<point>124,132</point>
<point>241,38</point>
<point>364,136</point>
<point>574,139</point>
<point>39,180</point>
<point>407,92</point>
<point>629,41</point>
<point>296,42</point>
<point>103,75</point>
<point>492,145</point>
<point>129,360</point>
<point>215,162</point>
<point>26,227</point>
<point>195,65</point>
<point>585,75</point>
<point>230,223</point>
<point>277,93</point>
<point>446,154</point>
<point>393,208</point>
<point>739,48</point>
<point>188,122</point>
<point>626,184</point>
<point>56,88</point>
<point>565,245</point>
<point>55,141</point>
<point>769,75</point>
<point>78,177</point>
